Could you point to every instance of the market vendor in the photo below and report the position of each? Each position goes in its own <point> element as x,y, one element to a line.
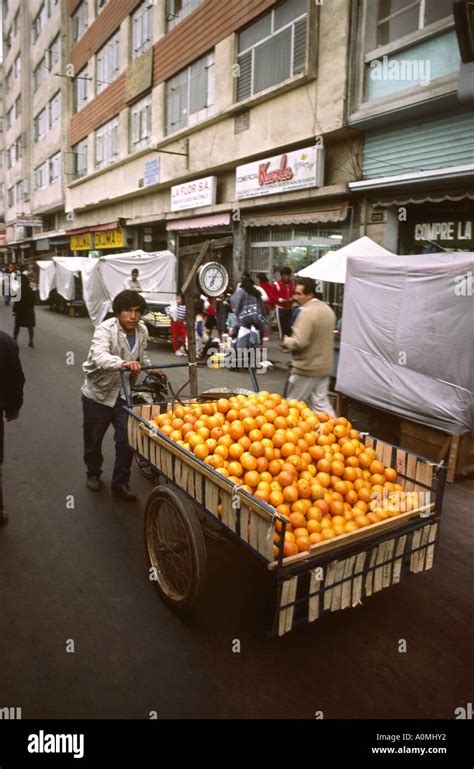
<point>118,343</point>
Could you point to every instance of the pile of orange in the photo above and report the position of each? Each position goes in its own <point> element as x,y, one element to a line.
<point>312,468</point>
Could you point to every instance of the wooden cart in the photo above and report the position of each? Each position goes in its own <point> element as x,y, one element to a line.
<point>333,575</point>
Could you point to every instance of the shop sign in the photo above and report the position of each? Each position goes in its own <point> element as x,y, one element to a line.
<point>281,173</point>
<point>28,221</point>
<point>447,231</point>
<point>201,192</point>
<point>138,75</point>
<point>88,241</point>
<point>151,173</point>
<point>3,237</point>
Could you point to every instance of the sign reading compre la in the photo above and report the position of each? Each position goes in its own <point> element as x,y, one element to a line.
<point>201,192</point>
<point>281,173</point>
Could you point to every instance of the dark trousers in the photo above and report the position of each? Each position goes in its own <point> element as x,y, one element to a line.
<point>1,461</point>
<point>97,419</point>
<point>285,322</point>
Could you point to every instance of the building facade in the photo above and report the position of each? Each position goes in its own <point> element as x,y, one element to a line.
<point>207,119</point>
<point>35,127</point>
<point>415,192</point>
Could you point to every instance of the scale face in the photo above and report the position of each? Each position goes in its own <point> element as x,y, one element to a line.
<point>213,279</point>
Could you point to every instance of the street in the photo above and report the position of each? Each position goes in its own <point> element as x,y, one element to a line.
<point>83,633</point>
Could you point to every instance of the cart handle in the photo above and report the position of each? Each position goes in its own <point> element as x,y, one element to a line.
<point>125,375</point>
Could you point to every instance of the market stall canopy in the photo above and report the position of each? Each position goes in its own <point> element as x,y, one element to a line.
<point>67,268</point>
<point>406,343</point>
<point>47,277</point>
<point>332,266</point>
<point>105,277</point>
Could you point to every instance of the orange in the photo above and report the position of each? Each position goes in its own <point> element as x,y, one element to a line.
<point>270,415</point>
<point>265,476</point>
<point>222,451</point>
<point>303,543</point>
<point>245,442</point>
<point>235,450</point>
<point>342,487</point>
<point>256,448</point>
<point>280,423</point>
<point>276,498</point>
<point>313,526</point>
<point>285,479</point>
<point>214,460</point>
<point>373,517</point>
<point>390,474</point>
<point>201,451</point>
<point>290,494</point>
<point>223,471</point>
<point>315,537</point>
<point>248,461</point>
<point>362,520</point>
<point>314,514</point>
<point>323,479</point>
<point>235,468</point>
<point>328,533</point>
<point>297,519</point>
<point>274,466</point>
<point>278,439</point>
<point>262,463</point>
<point>377,467</point>
<point>336,507</point>
<point>282,409</point>
<point>364,459</point>
<point>223,405</point>
<point>323,465</point>
<point>255,435</point>
<point>290,548</point>
<point>322,505</point>
<point>262,494</point>
<point>251,478</point>
<point>348,449</point>
<point>337,468</point>
<point>350,526</point>
<point>350,473</point>
<point>268,430</point>
<point>283,510</point>
<point>236,431</point>
<point>317,452</point>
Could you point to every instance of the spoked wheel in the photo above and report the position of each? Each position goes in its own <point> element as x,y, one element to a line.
<point>146,469</point>
<point>175,547</point>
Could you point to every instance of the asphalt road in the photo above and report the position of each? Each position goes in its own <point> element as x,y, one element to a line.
<point>80,575</point>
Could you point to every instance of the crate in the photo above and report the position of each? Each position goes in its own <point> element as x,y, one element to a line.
<point>332,575</point>
<point>458,450</point>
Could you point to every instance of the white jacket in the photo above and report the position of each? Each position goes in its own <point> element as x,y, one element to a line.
<point>108,352</point>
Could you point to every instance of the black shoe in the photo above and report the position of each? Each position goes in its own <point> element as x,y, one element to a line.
<point>3,518</point>
<point>94,483</point>
<point>31,344</point>
<point>125,492</point>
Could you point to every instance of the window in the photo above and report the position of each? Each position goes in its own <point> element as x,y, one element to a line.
<point>79,22</point>
<point>54,167</point>
<point>106,144</point>
<point>19,192</point>
<point>272,49</point>
<point>39,74</point>
<point>9,79</point>
<point>54,52</point>
<point>188,93</point>
<point>177,10</point>
<point>17,66</point>
<point>16,24</point>
<point>7,41</point>
<point>14,153</point>
<point>80,151</point>
<point>140,124</point>
<point>80,86</point>
<point>107,61</point>
<point>397,18</point>
<point>54,109</point>
<point>9,118</point>
<point>41,176</point>
<point>18,107</point>
<point>99,4</point>
<point>11,197</point>
<point>142,29</point>
<point>39,23</point>
<point>40,125</point>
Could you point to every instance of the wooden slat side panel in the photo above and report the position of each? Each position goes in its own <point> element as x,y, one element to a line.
<point>314,602</point>
<point>357,582</point>
<point>337,592</point>
<point>347,586</point>
<point>411,471</point>
<point>401,462</point>
<point>266,530</point>
<point>329,580</point>
<point>431,548</point>
<point>253,538</point>
<point>397,566</point>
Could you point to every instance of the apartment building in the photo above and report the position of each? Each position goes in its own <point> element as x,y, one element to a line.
<point>3,238</point>
<point>35,127</point>
<point>203,118</point>
<point>415,191</point>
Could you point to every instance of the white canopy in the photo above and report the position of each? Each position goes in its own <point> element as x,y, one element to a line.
<point>47,277</point>
<point>68,267</point>
<point>105,277</point>
<point>332,266</point>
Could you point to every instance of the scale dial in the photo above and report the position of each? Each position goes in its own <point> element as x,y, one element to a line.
<point>213,279</point>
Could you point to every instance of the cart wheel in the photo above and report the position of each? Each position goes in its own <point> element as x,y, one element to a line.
<point>175,547</point>
<point>146,469</point>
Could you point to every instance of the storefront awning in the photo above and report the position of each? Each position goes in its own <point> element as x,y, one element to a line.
<point>94,228</point>
<point>198,222</point>
<point>428,197</point>
<point>319,216</point>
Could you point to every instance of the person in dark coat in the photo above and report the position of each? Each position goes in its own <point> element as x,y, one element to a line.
<point>24,310</point>
<point>11,396</point>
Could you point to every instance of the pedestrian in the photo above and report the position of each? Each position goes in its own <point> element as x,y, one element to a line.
<point>247,304</point>
<point>177,313</point>
<point>312,348</point>
<point>118,344</point>
<point>132,283</point>
<point>200,328</point>
<point>265,285</point>
<point>24,310</point>
<point>284,290</point>
<point>11,397</point>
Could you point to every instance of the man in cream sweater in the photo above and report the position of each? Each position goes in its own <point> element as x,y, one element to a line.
<point>312,346</point>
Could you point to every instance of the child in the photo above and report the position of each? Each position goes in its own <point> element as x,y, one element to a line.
<point>177,313</point>
<point>200,326</point>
